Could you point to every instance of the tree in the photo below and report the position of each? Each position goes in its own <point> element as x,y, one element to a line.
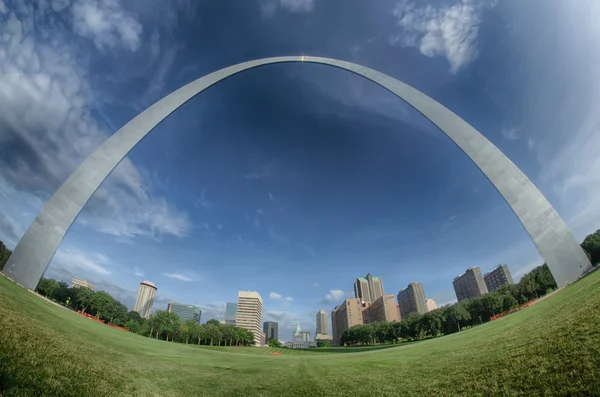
<point>102,304</point>
<point>274,343</point>
<point>46,287</point>
<point>83,298</point>
<point>132,315</point>
<point>132,326</point>
<point>544,280</point>
<point>591,244</point>
<point>61,292</point>
<point>157,322</point>
<point>4,255</point>
<point>213,322</point>
<point>323,343</point>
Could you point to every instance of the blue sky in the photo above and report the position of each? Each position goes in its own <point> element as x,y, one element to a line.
<point>293,180</point>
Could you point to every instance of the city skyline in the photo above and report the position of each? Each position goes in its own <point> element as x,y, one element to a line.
<point>330,174</point>
<point>230,313</point>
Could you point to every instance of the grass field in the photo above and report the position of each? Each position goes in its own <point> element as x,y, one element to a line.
<point>551,348</point>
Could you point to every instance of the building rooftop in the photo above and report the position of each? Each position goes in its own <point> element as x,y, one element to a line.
<point>149,283</point>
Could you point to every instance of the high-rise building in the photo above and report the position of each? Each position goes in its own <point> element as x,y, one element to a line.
<point>470,284</point>
<point>412,300</point>
<point>368,289</point>
<point>322,323</point>
<point>382,309</point>
<point>346,315</point>
<point>249,314</point>
<point>230,313</point>
<point>145,299</point>
<point>82,284</point>
<point>185,312</point>
<point>497,278</point>
<point>431,305</point>
<point>271,330</point>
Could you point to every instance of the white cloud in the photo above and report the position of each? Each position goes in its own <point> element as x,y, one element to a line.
<point>297,5</point>
<point>511,134</point>
<point>72,259</point>
<point>138,272</point>
<point>9,230</point>
<point>179,277</point>
<point>334,296</point>
<point>203,201</point>
<point>265,171</point>
<point>3,9</point>
<point>269,8</point>
<point>279,297</point>
<point>450,31</point>
<point>450,302</point>
<point>215,310</point>
<point>107,24</point>
<point>47,129</point>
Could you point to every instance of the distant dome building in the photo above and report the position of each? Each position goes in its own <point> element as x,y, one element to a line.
<point>301,339</point>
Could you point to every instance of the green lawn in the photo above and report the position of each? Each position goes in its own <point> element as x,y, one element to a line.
<point>551,348</point>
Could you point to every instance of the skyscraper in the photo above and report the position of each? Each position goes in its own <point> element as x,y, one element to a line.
<point>497,278</point>
<point>249,314</point>
<point>431,305</point>
<point>412,300</point>
<point>271,330</point>
<point>322,323</point>
<point>145,299</point>
<point>368,289</point>
<point>470,284</point>
<point>346,315</point>
<point>230,313</point>
<point>381,309</point>
<point>185,312</point>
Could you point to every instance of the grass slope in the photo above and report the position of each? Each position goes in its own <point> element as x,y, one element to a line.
<point>551,348</point>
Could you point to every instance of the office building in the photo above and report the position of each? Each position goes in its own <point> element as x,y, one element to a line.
<point>82,284</point>
<point>145,299</point>
<point>412,300</point>
<point>344,316</point>
<point>322,323</point>
<point>431,305</point>
<point>368,289</point>
<point>470,284</point>
<point>323,337</point>
<point>271,330</point>
<point>249,314</point>
<point>382,309</point>
<point>230,313</point>
<point>497,278</point>
<point>185,312</point>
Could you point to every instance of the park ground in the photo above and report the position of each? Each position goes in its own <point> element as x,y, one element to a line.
<point>551,348</point>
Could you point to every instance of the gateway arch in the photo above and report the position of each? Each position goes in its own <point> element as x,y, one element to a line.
<point>549,233</point>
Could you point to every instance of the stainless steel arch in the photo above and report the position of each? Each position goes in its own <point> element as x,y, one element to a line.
<point>553,239</point>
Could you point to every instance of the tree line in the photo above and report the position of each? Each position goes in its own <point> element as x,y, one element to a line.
<point>168,326</point>
<point>452,318</point>
<point>161,324</point>
<point>4,254</point>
